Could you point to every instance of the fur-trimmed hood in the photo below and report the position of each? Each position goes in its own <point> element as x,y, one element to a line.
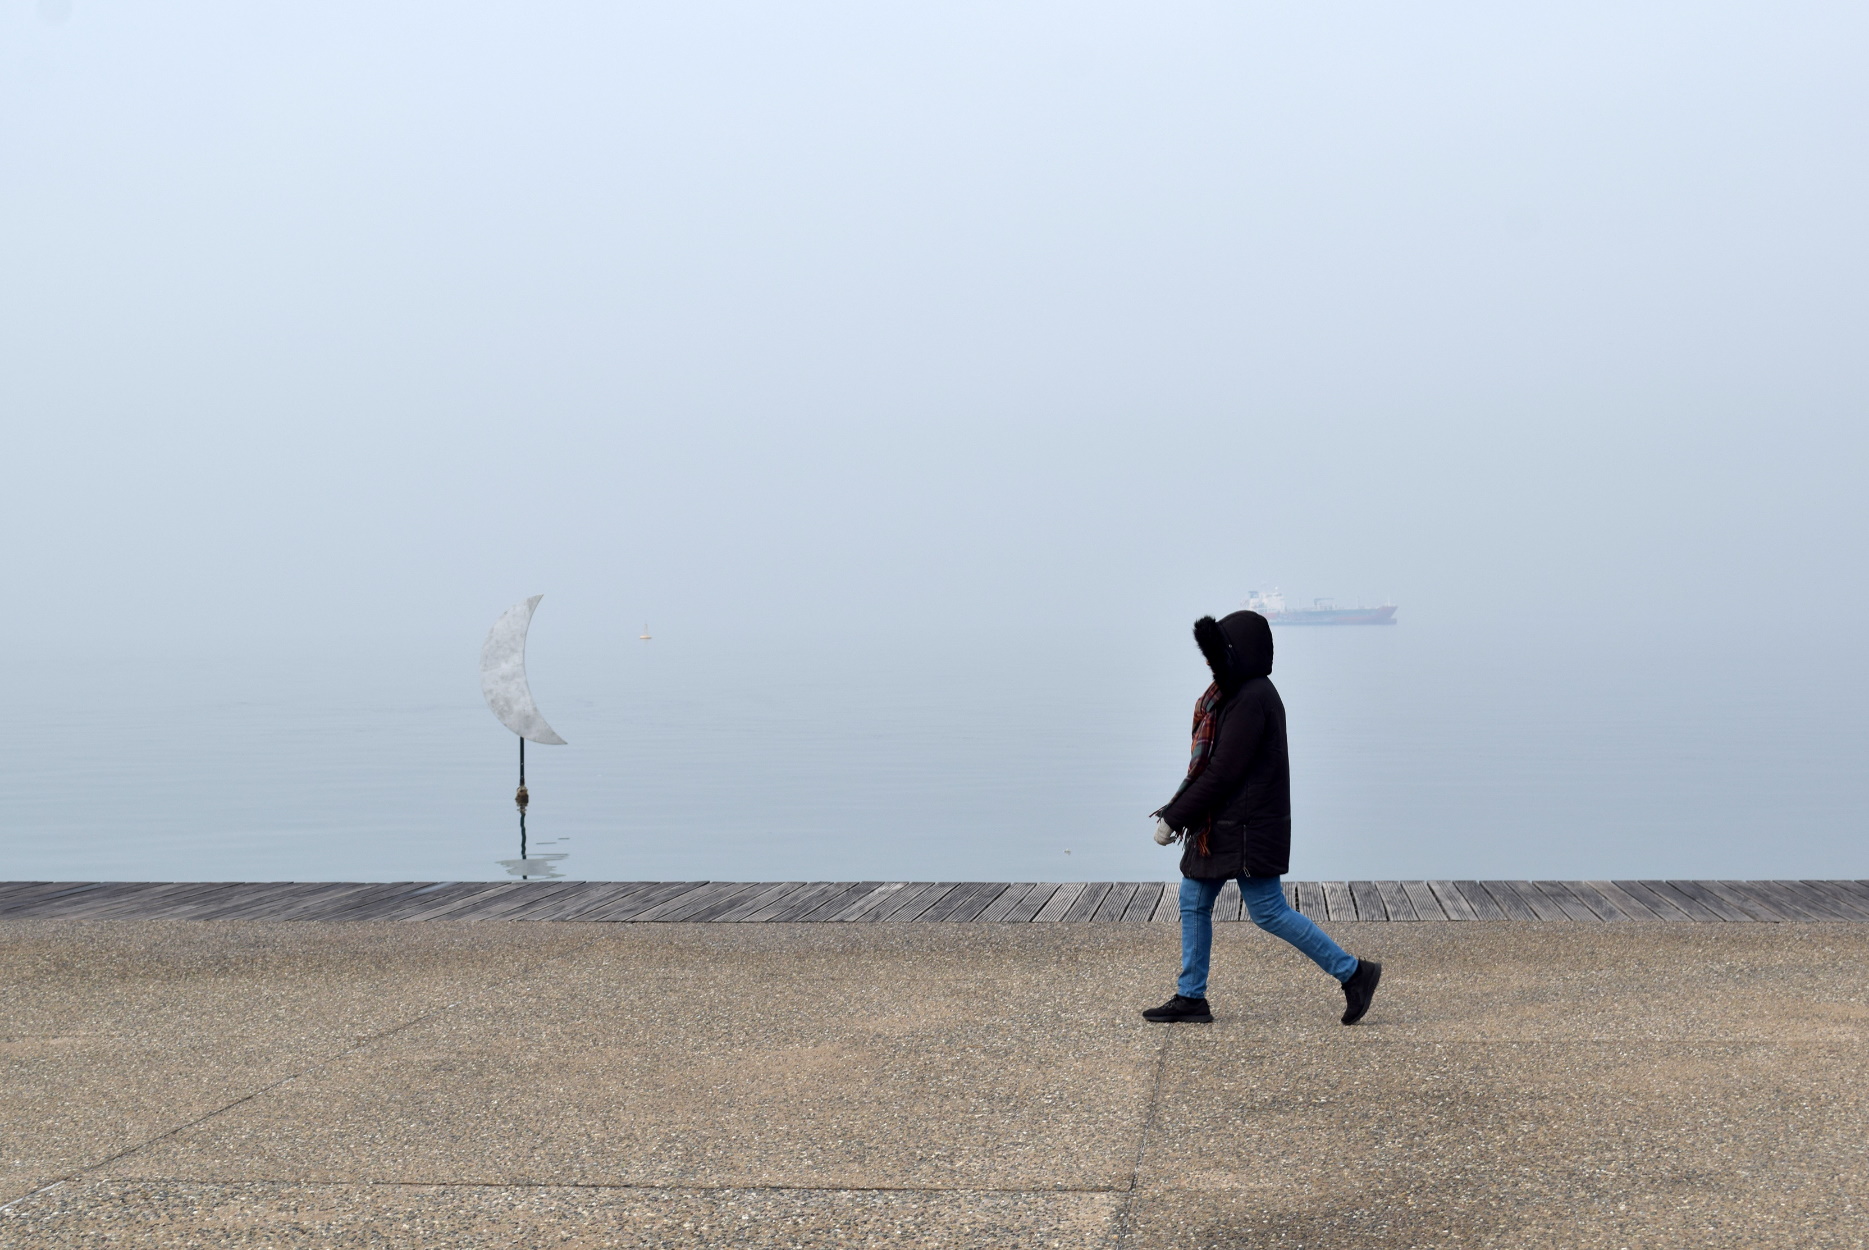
<point>1238,647</point>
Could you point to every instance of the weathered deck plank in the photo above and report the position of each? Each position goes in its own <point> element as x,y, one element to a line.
<point>1367,900</point>
<point>372,904</point>
<point>654,894</point>
<point>56,894</point>
<point>1573,904</point>
<point>221,896</point>
<point>1689,897</point>
<point>1749,908</point>
<point>1086,905</point>
<point>1453,903</point>
<point>794,902</point>
<point>931,902</point>
<point>522,897</point>
<point>576,904</point>
<point>156,902</point>
<point>912,899</point>
<point>829,903</point>
<point>303,901</point>
<point>1396,902</point>
<point>1594,904</point>
<point>1148,895</point>
<point>716,904</point>
<point>915,907</point>
<point>1476,897</point>
<point>1168,911</point>
<point>451,905</point>
<point>687,903</point>
<point>186,902</point>
<point>1027,908</point>
<point>833,903</point>
<point>1059,902</point>
<point>1601,903</point>
<point>869,902</point>
<point>552,901</point>
<point>1427,906</point>
<point>1508,901</point>
<point>757,900</point>
<point>1631,906</point>
<point>804,902</point>
<point>1542,907</point>
<point>1337,903</point>
<point>1115,902</point>
<point>1002,906</point>
<point>1787,901</point>
<point>968,909</point>
<point>1851,905</point>
<point>957,900</point>
<point>432,896</point>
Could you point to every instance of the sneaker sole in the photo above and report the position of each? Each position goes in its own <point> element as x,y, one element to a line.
<point>1180,1020</point>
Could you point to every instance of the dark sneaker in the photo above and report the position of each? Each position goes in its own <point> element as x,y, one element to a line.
<point>1359,989</point>
<point>1181,1010</point>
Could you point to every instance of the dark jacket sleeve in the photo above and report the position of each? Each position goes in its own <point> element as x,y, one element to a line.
<point>1241,727</point>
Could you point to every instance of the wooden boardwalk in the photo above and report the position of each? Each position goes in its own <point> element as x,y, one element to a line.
<point>923,902</point>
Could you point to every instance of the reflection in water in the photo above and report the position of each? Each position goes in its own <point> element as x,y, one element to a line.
<point>535,866</point>
<point>539,867</point>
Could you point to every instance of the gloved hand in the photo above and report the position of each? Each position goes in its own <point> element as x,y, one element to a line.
<point>1163,834</point>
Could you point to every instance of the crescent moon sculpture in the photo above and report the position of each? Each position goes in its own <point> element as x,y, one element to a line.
<point>503,678</point>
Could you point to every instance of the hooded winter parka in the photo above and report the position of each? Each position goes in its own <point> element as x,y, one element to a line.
<point>1246,785</point>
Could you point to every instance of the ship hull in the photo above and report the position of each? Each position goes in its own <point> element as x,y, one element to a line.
<point>1384,615</point>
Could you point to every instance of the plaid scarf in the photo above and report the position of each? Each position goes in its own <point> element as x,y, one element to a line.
<point>1206,718</point>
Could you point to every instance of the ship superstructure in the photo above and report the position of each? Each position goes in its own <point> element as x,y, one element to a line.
<point>1271,605</point>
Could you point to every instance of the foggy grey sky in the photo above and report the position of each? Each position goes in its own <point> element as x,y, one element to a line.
<point>350,319</point>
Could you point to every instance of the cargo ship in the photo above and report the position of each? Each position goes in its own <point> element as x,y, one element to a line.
<point>1271,605</point>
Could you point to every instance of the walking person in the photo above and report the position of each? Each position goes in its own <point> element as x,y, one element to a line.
<point>1233,815</point>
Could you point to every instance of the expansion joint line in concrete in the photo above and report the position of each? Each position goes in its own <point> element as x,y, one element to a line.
<point>622,1186</point>
<point>327,1061</point>
<point>1142,1142</point>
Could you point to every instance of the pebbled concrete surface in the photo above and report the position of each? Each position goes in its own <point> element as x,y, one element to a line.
<point>112,1034</point>
<point>444,1217</point>
<point>443,1085</point>
<point>739,1055</point>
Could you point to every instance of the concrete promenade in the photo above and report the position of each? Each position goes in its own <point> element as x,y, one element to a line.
<point>448,1084</point>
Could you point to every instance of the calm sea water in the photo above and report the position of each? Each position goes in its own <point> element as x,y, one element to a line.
<point>1429,749</point>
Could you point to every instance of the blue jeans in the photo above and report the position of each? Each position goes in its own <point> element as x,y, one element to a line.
<point>1265,900</point>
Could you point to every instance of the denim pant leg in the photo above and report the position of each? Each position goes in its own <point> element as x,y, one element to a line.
<point>1197,934</point>
<point>1265,900</point>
